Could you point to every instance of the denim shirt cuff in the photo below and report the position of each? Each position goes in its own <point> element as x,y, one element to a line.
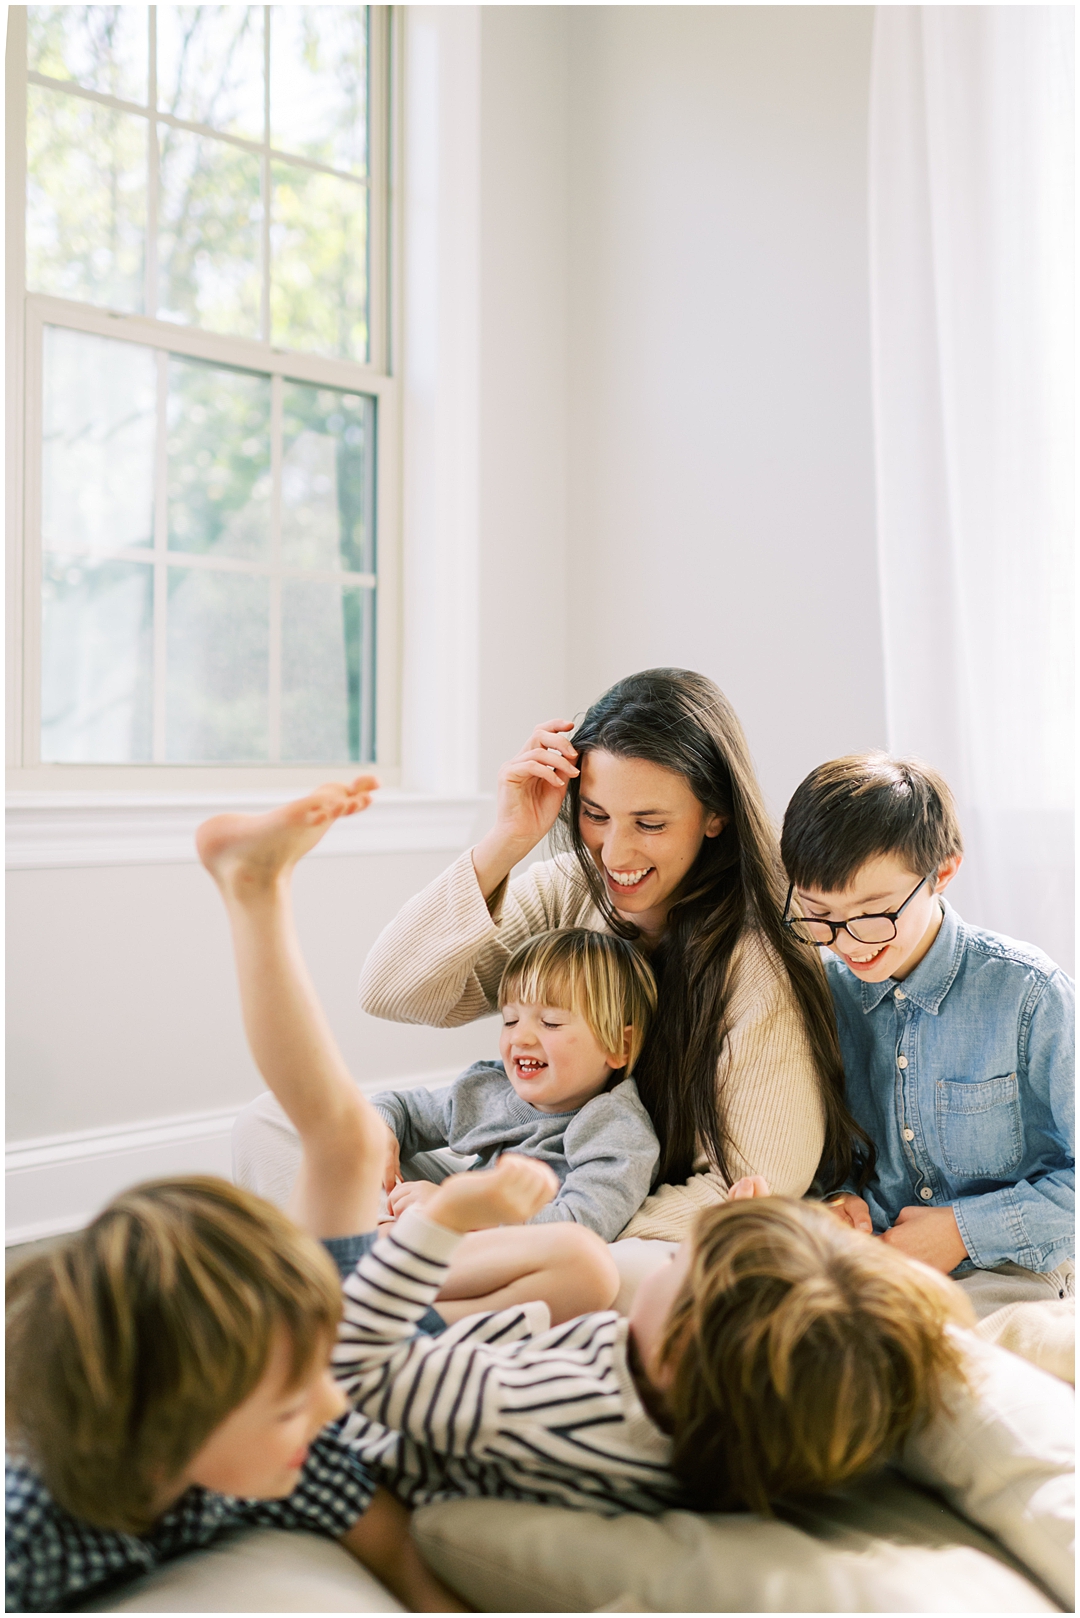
<point>993,1230</point>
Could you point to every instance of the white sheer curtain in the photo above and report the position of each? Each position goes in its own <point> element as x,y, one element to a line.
<point>971,231</point>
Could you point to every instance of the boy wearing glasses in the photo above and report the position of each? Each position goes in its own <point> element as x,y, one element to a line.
<point>957,1043</point>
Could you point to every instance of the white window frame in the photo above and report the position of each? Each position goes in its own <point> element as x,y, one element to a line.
<point>27,314</point>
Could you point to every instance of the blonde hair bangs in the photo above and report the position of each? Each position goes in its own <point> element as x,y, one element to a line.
<point>603,978</point>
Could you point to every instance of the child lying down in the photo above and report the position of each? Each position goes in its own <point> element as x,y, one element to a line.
<point>778,1354</point>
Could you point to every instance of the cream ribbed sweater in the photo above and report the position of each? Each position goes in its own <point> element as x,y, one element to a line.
<point>440,960</point>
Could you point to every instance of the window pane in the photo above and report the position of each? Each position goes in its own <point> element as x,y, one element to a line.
<point>318,83</point>
<point>210,66</point>
<point>218,424</point>
<point>318,280</point>
<point>211,233</point>
<point>218,667</point>
<point>327,477</point>
<point>85,200</point>
<point>96,661</point>
<point>102,47</point>
<point>97,467</point>
<point>326,648</point>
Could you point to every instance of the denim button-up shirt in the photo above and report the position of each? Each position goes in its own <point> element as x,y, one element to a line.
<point>962,1076</point>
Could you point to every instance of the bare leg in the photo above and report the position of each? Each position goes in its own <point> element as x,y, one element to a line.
<point>251,858</point>
<point>565,1266</point>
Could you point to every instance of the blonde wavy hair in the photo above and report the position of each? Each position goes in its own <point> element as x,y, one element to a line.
<point>603,978</point>
<point>131,1342</point>
<point>803,1354</point>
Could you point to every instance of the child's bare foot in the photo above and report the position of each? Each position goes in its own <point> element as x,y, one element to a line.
<point>508,1194</point>
<point>245,852</point>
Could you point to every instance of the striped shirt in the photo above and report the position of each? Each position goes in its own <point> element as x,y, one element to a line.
<point>498,1404</point>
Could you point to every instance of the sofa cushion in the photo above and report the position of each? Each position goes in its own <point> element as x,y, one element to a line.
<point>256,1570</point>
<point>886,1546</point>
<point>1004,1454</point>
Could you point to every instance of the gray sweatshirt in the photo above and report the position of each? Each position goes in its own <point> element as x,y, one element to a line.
<point>605,1153</point>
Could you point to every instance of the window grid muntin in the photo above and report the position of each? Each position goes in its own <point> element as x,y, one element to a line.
<point>29,312</point>
<point>256,147</point>
<point>160,557</point>
<point>267,155</point>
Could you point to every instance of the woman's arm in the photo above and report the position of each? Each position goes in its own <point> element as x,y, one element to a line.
<point>768,1085</point>
<point>770,1093</point>
<point>440,960</point>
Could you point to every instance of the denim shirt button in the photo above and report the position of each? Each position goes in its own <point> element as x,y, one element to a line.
<point>909,1134</point>
<point>901,1061</point>
<point>898,994</point>
<point>926,1193</point>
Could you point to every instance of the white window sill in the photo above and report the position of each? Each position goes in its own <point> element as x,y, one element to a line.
<point>49,830</point>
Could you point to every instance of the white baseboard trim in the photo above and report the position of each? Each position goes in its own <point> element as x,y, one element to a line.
<point>56,1183</point>
<point>47,830</point>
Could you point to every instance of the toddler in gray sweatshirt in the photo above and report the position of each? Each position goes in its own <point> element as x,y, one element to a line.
<point>575,1006</point>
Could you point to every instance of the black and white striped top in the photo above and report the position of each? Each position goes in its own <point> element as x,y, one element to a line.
<point>498,1404</point>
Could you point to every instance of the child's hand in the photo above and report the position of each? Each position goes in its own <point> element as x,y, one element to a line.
<point>751,1185</point>
<point>852,1210</point>
<point>508,1194</point>
<point>929,1234</point>
<point>392,1171</point>
<point>409,1194</point>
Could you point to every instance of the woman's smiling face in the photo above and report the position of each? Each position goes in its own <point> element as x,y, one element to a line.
<point>644,828</point>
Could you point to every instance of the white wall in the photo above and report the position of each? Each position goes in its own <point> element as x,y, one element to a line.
<point>642,432</point>
<point>484,352</point>
<point>721,488</point>
<point>122,1002</point>
<point>524,301</point>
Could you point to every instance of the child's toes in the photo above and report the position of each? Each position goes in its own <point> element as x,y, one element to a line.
<point>326,804</point>
<point>358,794</point>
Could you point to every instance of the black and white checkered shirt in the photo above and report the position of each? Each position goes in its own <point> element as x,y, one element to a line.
<point>56,1562</point>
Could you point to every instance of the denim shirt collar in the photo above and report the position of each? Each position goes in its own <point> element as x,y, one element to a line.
<point>932,979</point>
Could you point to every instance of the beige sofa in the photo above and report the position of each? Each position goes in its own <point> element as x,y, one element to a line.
<point>888,1548</point>
<point>995,1535</point>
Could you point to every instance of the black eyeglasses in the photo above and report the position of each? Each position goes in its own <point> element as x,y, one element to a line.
<point>863,929</point>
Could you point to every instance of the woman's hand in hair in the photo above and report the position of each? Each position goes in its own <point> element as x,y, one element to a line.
<point>530,793</point>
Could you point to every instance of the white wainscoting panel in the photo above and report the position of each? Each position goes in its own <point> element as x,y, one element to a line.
<point>56,1183</point>
<point>57,829</point>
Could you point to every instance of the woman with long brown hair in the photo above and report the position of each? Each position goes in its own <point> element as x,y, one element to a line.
<point>664,839</point>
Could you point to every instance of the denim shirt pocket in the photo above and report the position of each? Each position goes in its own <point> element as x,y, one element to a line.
<point>979,1125</point>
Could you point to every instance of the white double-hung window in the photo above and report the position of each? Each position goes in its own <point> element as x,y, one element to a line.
<point>201,462</point>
